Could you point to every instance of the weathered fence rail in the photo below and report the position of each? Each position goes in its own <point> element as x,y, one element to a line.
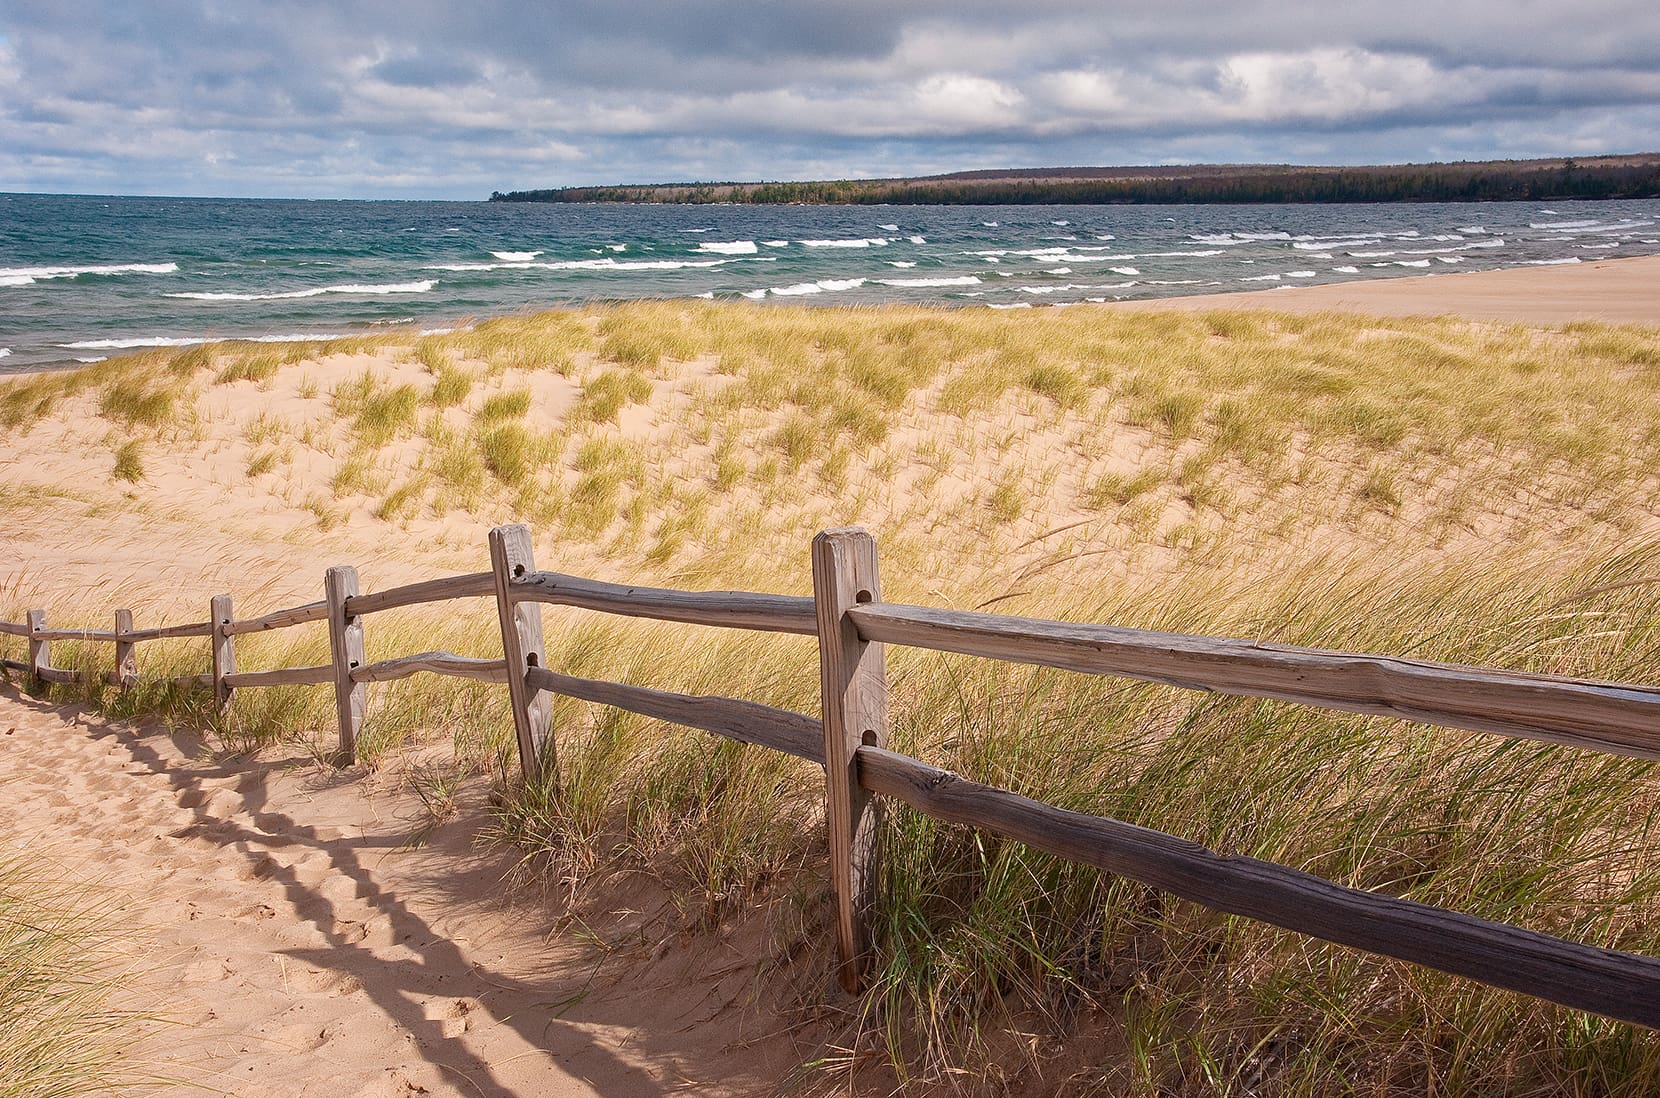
<point>849,738</point>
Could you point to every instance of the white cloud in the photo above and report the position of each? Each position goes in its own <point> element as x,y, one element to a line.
<point>294,94</point>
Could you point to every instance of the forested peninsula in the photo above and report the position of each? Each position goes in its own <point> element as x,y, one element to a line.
<point>1631,176</point>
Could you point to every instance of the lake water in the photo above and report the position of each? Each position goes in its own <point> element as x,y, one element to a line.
<point>84,277</point>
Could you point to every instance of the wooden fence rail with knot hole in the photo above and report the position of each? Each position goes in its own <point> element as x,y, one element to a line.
<point>853,624</point>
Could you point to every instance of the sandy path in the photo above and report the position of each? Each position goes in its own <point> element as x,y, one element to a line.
<point>298,946</point>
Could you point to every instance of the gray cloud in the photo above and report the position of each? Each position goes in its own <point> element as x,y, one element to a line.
<point>431,98</point>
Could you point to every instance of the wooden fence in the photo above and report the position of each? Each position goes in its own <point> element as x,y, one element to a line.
<point>853,624</point>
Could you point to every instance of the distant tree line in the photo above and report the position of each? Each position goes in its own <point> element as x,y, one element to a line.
<point>1498,181</point>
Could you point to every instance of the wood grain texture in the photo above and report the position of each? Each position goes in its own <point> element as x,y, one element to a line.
<point>512,558</point>
<point>224,650</point>
<point>14,628</point>
<point>1618,985</point>
<point>40,648</point>
<point>125,674</point>
<point>854,697</point>
<point>747,722</point>
<point>279,619</point>
<point>76,635</point>
<point>14,665</point>
<point>346,656</point>
<point>166,632</point>
<point>440,663</point>
<point>283,676</point>
<point>57,675</point>
<point>1619,719</point>
<point>728,609</point>
<point>473,584</point>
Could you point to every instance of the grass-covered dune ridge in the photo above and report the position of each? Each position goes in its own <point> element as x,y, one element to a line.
<point>1480,494</point>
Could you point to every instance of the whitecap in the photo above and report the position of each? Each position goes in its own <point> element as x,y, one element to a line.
<point>918,239</point>
<point>1560,225</point>
<point>316,291</point>
<point>515,257</point>
<point>1597,247</point>
<point>1411,263</point>
<point>1313,245</point>
<point>1449,259</point>
<point>706,295</point>
<point>1058,271</point>
<point>862,242</point>
<point>889,228</point>
<point>708,230</point>
<point>1123,270</point>
<point>729,247</point>
<point>127,344</point>
<point>1261,278</point>
<point>1549,262</point>
<point>1347,270</point>
<point>962,280</point>
<point>902,263</point>
<point>775,243</point>
<point>825,285</point>
<point>1106,236</point>
<point>1300,274</point>
<point>1011,305</point>
<point>989,224</point>
<point>755,295</point>
<point>22,276</point>
<point>611,247</point>
<point>5,352</point>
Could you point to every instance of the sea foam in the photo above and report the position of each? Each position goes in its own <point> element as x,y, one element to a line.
<point>421,287</point>
<point>728,247</point>
<point>25,276</point>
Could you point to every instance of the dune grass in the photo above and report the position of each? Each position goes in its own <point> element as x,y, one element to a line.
<point>1474,493</point>
<point>59,1034</point>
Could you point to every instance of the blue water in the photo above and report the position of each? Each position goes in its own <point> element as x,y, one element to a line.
<point>84,277</point>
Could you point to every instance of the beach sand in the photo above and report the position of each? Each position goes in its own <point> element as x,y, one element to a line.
<point>1617,291</point>
<point>279,915</point>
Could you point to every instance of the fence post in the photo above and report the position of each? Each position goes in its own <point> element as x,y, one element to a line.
<point>40,649</point>
<point>854,696</point>
<point>346,653</point>
<point>512,556</point>
<point>126,654</point>
<point>224,651</point>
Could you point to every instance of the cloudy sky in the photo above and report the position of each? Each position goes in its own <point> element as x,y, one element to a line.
<point>439,99</point>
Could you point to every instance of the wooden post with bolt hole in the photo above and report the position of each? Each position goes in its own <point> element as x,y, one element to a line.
<point>40,649</point>
<point>224,651</point>
<point>511,557</point>
<point>126,652</point>
<point>346,653</point>
<point>855,706</point>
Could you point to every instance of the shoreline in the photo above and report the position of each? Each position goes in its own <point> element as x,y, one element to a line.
<point>1615,291</point>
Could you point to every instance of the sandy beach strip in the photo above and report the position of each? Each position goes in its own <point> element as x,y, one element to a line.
<point>1618,291</point>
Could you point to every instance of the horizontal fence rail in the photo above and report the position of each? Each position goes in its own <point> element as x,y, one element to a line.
<point>1606,717</point>
<point>747,722</point>
<point>727,609</point>
<point>853,626</point>
<point>1603,981</point>
<point>279,619</point>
